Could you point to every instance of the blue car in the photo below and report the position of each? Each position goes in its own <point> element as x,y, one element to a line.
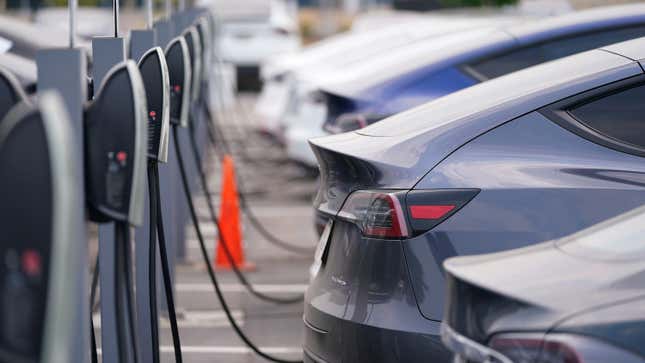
<point>410,76</point>
<point>588,305</point>
<point>528,157</point>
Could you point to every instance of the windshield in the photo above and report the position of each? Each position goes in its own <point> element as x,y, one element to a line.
<point>619,238</point>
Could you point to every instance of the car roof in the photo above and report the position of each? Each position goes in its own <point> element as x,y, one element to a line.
<point>578,22</point>
<point>27,38</point>
<point>427,134</point>
<point>450,50</point>
<point>346,48</point>
<point>435,53</point>
<point>632,49</point>
<point>532,88</point>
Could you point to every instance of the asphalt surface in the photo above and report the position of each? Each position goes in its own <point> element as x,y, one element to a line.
<point>280,195</point>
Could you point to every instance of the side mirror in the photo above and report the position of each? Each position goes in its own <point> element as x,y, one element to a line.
<point>156,80</point>
<point>115,147</point>
<point>41,215</point>
<point>195,53</point>
<point>179,69</point>
<point>11,93</point>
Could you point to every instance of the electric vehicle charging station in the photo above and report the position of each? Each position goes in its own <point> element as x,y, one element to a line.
<point>42,222</point>
<point>10,92</point>
<point>154,72</point>
<point>116,149</point>
<point>180,70</point>
<point>195,54</point>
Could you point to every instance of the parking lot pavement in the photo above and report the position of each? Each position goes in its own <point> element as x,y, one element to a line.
<point>280,195</point>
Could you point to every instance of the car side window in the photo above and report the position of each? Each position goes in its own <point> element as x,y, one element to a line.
<point>619,115</point>
<point>550,50</point>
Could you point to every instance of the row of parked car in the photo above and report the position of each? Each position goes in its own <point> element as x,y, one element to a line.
<point>479,139</point>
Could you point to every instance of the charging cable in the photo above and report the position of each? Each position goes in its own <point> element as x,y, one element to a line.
<point>165,268</point>
<point>225,248</point>
<point>212,130</point>
<point>211,272</point>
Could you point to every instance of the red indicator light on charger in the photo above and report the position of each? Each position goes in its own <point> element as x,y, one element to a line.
<point>430,211</point>
<point>121,156</point>
<point>177,88</point>
<point>31,263</point>
<point>152,114</point>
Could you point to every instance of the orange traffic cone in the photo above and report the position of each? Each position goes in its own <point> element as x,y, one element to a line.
<point>229,221</point>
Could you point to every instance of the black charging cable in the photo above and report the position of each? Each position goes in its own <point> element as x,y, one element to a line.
<point>212,130</point>
<point>211,272</point>
<point>95,283</point>
<point>152,261</point>
<point>165,268</point>
<point>227,252</point>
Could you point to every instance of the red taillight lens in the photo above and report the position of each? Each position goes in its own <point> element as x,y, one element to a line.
<point>377,214</point>
<point>428,208</point>
<point>430,211</point>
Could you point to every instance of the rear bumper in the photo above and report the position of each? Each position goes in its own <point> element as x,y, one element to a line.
<point>361,306</point>
<point>354,342</point>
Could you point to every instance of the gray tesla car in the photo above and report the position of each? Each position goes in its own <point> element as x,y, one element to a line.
<point>524,158</point>
<point>574,300</point>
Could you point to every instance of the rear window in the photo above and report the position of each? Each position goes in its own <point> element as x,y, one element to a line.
<point>550,50</point>
<point>619,115</point>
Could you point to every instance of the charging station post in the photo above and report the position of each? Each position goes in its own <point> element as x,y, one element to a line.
<point>107,51</point>
<point>141,41</point>
<point>65,71</point>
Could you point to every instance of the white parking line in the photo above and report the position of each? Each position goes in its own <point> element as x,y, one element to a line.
<point>266,288</point>
<point>226,350</point>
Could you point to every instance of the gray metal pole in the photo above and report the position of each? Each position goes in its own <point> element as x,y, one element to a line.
<point>108,51</point>
<point>65,70</point>
<point>72,5</point>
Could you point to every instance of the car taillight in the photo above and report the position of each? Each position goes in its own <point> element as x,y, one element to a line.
<point>377,214</point>
<point>428,208</point>
<point>558,348</point>
<point>402,214</point>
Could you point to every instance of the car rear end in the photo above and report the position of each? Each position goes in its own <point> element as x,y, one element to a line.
<point>361,305</point>
<point>535,315</point>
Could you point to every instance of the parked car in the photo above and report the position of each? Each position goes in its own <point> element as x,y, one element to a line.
<point>413,75</point>
<point>528,157</point>
<point>281,73</point>
<point>252,31</point>
<point>577,299</point>
<point>27,38</point>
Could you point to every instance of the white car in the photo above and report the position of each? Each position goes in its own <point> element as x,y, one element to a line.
<point>281,74</point>
<point>251,31</point>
